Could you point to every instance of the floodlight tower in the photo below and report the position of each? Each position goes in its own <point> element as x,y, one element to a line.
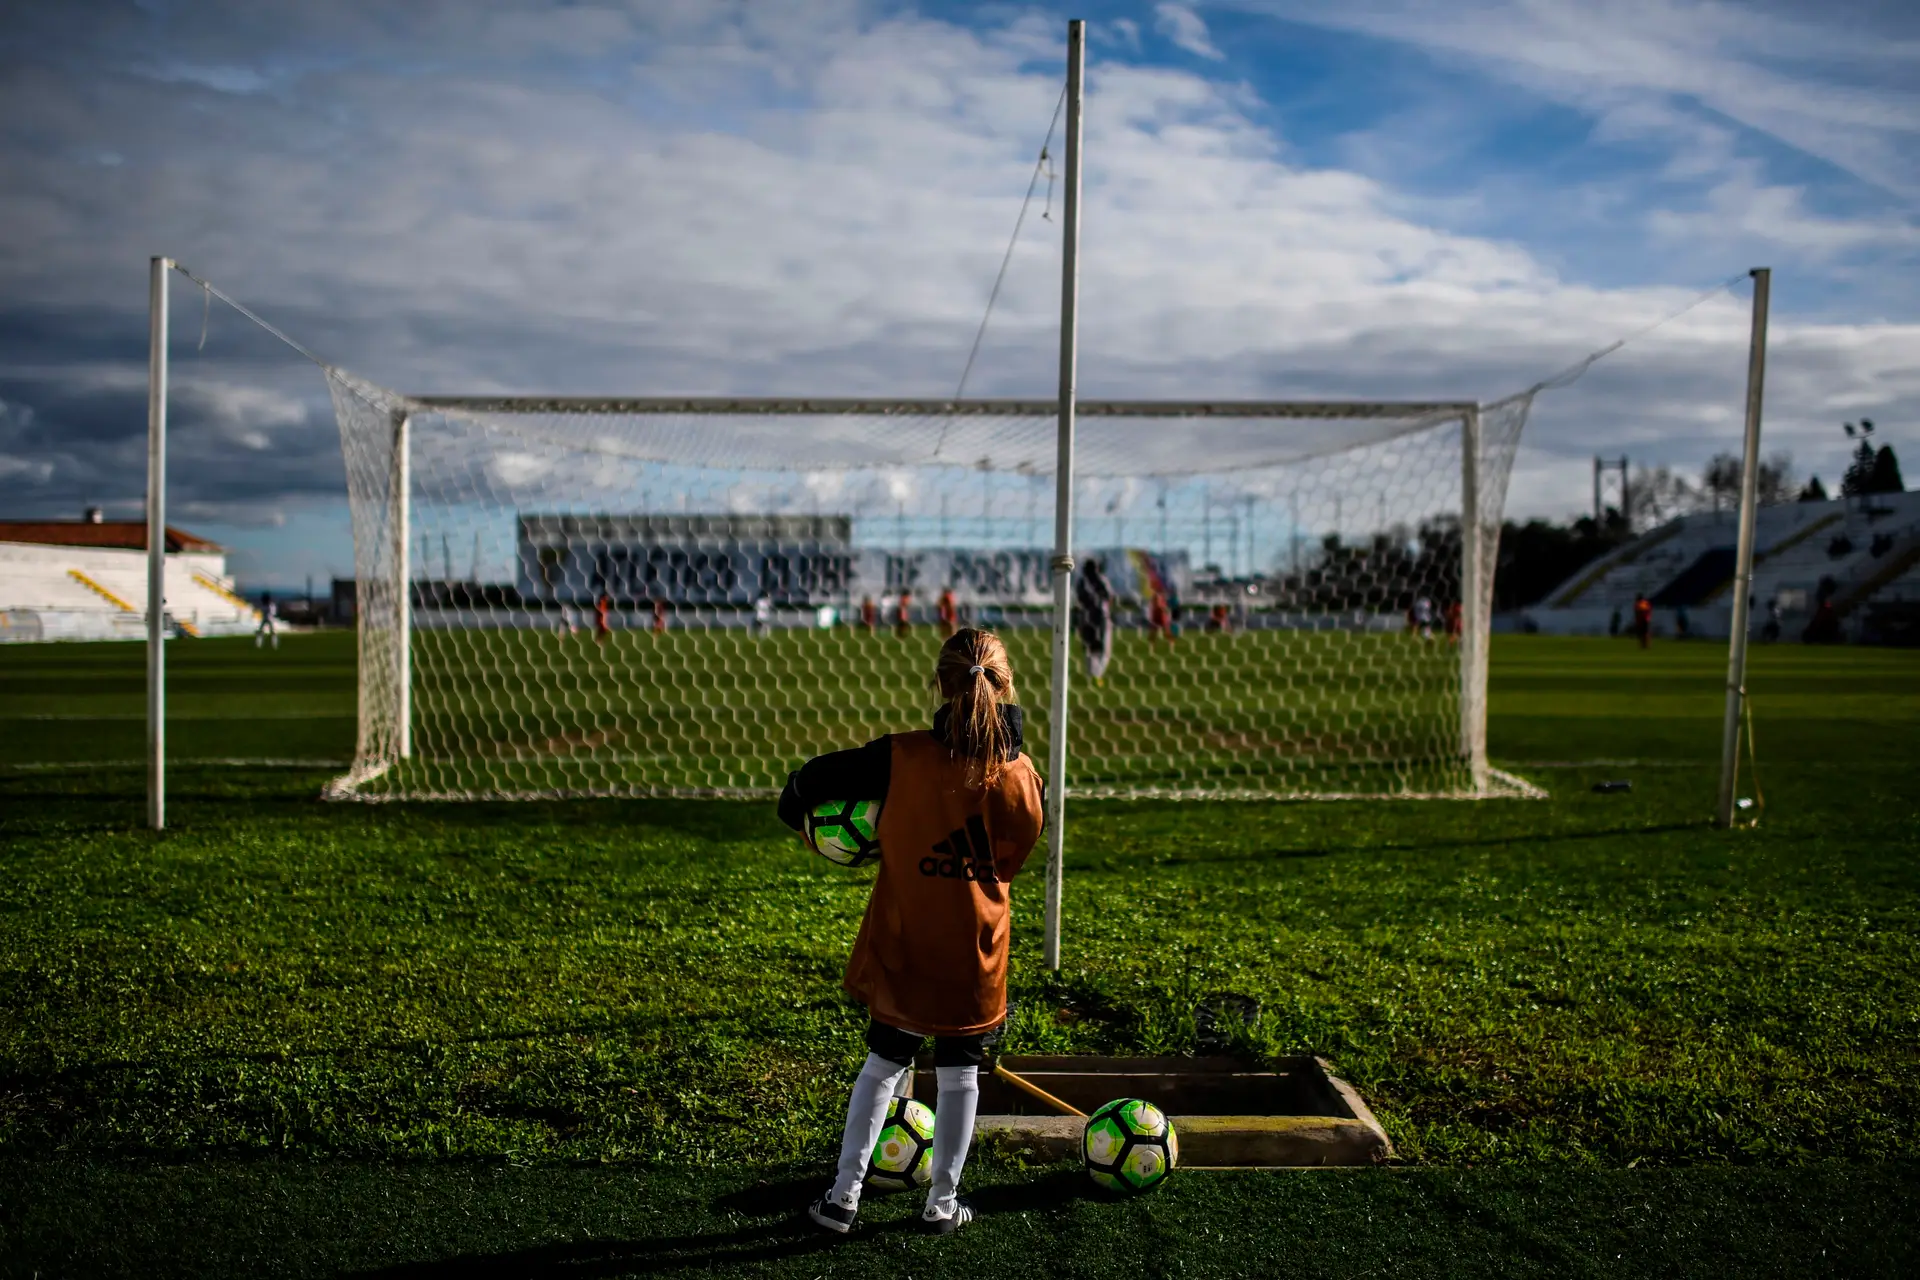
<point>1602,467</point>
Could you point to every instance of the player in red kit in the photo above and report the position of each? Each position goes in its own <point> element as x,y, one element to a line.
<point>1159,618</point>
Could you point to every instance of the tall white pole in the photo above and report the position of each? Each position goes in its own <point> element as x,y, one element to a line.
<point>402,507</point>
<point>1743,555</point>
<point>1475,620</point>
<point>1063,499</point>
<point>157,542</point>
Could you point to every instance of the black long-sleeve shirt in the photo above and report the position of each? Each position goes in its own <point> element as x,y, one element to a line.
<point>863,773</point>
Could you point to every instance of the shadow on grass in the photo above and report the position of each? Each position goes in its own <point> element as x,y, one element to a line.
<point>787,1235</point>
<point>1112,862</point>
<point>716,821</point>
<point>1054,1190</point>
<point>654,1256</point>
<point>90,1077</point>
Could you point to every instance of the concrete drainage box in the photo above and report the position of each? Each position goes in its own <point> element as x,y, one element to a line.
<point>1297,1113</point>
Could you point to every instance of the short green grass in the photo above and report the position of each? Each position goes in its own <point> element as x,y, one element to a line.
<point>514,712</point>
<point>1569,995</point>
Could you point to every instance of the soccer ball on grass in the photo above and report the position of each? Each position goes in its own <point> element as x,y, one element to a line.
<point>845,831</point>
<point>903,1158</point>
<point>1129,1146</point>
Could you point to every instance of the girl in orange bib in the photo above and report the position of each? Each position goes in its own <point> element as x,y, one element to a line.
<point>961,811</point>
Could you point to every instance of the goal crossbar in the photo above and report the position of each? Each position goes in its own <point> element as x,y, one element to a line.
<point>839,407</point>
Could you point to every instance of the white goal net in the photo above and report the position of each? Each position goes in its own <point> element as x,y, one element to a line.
<point>689,597</point>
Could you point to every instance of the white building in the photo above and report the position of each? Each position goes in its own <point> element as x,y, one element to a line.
<point>87,580</point>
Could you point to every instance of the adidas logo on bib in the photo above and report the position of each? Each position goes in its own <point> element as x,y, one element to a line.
<point>964,855</point>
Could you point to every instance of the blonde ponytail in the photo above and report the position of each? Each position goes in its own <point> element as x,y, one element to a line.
<point>972,678</point>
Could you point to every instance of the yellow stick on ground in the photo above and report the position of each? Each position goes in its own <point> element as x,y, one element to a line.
<point>1034,1089</point>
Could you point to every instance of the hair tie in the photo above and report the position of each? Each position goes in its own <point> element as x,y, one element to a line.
<point>974,671</point>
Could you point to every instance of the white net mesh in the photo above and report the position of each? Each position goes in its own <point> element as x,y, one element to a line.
<point>656,597</point>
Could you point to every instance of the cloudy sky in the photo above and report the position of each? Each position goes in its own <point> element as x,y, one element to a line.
<point>1373,198</point>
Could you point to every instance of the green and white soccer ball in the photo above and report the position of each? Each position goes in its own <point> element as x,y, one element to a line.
<point>1129,1146</point>
<point>903,1158</point>
<point>846,831</point>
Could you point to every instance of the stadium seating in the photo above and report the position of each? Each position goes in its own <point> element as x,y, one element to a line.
<point>1865,550</point>
<point>86,593</point>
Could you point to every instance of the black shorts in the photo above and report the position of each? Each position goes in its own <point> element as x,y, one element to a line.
<point>899,1046</point>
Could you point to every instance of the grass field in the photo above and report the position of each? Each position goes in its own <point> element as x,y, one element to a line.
<point>1271,713</point>
<point>606,1037</point>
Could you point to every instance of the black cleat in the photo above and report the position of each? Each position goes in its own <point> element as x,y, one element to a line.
<point>830,1216</point>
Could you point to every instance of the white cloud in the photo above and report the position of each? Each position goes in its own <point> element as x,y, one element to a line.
<point>685,228</point>
<point>1742,206</point>
<point>33,470</point>
<point>15,416</point>
<point>243,513</point>
<point>235,80</point>
<point>1186,29</point>
<point>1842,92</point>
<point>514,469</point>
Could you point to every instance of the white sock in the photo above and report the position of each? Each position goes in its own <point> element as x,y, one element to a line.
<point>952,1135</point>
<point>866,1112</point>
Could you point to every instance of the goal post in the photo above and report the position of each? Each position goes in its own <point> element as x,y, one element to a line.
<point>572,596</point>
<point>1472,639</point>
<point>402,652</point>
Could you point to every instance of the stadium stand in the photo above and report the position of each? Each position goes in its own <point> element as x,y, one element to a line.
<point>1862,553</point>
<point>87,580</point>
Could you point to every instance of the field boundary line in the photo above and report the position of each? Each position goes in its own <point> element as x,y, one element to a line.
<point>173,717</point>
<point>266,762</point>
<point>1613,764</point>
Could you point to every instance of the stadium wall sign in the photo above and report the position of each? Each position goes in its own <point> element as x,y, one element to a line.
<point>732,560</point>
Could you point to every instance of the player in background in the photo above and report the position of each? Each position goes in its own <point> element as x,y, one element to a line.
<point>659,616</point>
<point>602,618</point>
<point>1093,619</point>
<point>960,812</point>
<point>949,614</point>
<point>1456,621</point>
<point>269,620</point>
<point>1423,618</point>
<point>903,615</point>
<point>1159,618</point>
<point>763,614</point>
<point>869,614</point>
<point>1220,619</point>
<point>1824,626</point>
<point>1643,619</point>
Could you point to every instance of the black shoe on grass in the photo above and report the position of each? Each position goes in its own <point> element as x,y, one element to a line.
<point>830,1216</point>
<point>938,1226</point>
